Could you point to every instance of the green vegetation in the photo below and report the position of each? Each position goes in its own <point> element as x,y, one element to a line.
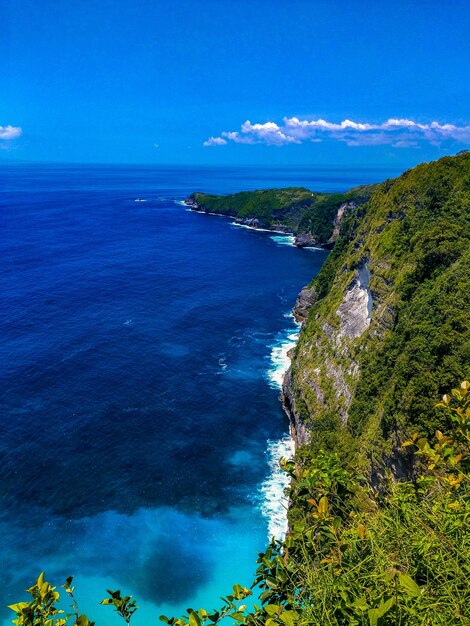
<point>354,555</point>
<point>294,208</point>
<point>371,391</point>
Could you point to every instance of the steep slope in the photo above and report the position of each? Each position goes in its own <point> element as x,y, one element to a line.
<point>386,327</point>
<point>314,218</point>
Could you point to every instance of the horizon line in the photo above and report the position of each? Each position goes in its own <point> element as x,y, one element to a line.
<point>205,165</point>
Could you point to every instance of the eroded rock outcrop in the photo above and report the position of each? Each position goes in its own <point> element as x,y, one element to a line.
<point>305,240</point>
<point>345,208</point>
<point>324,369</point>
<point>298,427</point>
<point>356,309</point>
<point>306,298</point>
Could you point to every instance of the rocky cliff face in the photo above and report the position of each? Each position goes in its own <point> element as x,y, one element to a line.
<point>329,379</point>
<point>306,298</point>
<point>356,309</point>
<point>307,240</point>
<point>382,328</point>
<point>343,210</point>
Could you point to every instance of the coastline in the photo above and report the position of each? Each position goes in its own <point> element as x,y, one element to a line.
<point>243,225</point>
<point>299,240</point>
<point>274,505</point>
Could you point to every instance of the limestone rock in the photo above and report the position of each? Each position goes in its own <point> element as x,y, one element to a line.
<point>306,298</point>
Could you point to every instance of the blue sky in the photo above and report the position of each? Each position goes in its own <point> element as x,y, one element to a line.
<point>151,81</point>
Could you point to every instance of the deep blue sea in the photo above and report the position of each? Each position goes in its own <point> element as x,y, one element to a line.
<point>142,349</point>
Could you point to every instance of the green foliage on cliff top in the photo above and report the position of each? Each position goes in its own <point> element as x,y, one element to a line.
<point>414,236</point>
<point>295,208</point>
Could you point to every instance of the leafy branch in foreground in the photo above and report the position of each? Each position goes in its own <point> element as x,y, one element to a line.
<point>354,556</point>
<point>229,609</point>
<point>42,609</point>
<point>125,606</point>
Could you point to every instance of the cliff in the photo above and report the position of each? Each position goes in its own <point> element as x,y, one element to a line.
<point>314,218</point>
<point>385,323</point>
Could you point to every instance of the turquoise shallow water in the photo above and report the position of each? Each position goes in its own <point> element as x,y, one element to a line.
<point>142,347</point>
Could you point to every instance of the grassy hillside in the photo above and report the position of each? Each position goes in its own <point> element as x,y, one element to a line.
<point>295,208</point>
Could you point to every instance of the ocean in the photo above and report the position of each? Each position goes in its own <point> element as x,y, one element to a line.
<point>143,347</point>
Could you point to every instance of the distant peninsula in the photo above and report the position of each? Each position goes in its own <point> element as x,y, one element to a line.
<point>313,218</point>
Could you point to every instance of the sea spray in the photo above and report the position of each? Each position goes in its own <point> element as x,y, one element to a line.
<point>274,501</point>
<point>284,240</point>
<point>280,361</point>
<point>258,228</point>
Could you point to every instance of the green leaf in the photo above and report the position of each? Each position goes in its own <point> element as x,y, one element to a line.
<point>272,609</point>
<point>271,582</point>
<point>409,585</point>
<point>373,617</point>
<point>237,590</point>
<point>360,603</point>
<point>289,618</point>
<point>18,607</point>
<point>384,607</point>
<point>194,619</point>
<point>265,595</point>
<point>214,616</point>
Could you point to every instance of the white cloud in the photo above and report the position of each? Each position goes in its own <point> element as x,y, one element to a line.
<point>397,132</point>
<point>214,141</point>
<point>267,133</point>
<point>10,132</point>
<point>237,138</point>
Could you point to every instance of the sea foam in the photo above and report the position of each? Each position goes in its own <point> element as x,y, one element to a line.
<point>280,360</point>
<point>262,230</point>
<point>274,501</point>
<point>284,240</point>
